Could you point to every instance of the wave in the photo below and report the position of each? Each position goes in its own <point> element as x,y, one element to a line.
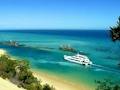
<point>98,69</point>
<point>103,68</point>
<point>94,67</point>
<point>60,63</point>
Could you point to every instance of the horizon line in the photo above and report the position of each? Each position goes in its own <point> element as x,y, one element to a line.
<point>48,29</point>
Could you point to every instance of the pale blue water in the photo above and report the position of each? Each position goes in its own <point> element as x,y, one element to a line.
<point>96,44</point>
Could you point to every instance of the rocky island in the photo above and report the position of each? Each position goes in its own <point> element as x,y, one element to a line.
<point>67,48</point>
<point>12,43</point>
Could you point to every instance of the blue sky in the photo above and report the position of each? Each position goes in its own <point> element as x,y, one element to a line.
<point>58,14</point>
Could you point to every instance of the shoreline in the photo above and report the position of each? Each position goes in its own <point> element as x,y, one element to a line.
<point>58,82</point>
<point>2,52</point>
<point>7,85</point>
<point>4,83</point>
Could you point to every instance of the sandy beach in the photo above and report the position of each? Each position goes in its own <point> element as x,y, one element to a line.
<point>2,52</point>
<point>58,83</point>
<point>6,84</point>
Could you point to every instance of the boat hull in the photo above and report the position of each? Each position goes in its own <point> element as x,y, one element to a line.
<point>68,58</point>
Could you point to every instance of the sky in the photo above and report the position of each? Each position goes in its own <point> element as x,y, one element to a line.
<point>58,14</point>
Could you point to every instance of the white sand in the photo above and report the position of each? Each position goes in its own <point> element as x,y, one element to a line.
<point>2,52</point>
<point>7,85</point>
<point>58,83</point>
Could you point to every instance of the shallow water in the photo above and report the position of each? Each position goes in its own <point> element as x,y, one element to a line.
<point>96,44</point>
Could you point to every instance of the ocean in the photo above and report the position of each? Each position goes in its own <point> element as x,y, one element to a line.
<point>45,54</point>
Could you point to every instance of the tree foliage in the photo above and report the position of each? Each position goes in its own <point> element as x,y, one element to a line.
<point>17,71</point>
<point>115,31</point>
<point>47,87</point>
<point>107,84</point>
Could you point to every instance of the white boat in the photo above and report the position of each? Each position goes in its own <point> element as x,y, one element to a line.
<point>79,59</point>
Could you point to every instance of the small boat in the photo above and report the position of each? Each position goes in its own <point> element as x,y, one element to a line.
<point>79,59</point>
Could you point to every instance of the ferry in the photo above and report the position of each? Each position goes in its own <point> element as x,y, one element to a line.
<point>79,59</point>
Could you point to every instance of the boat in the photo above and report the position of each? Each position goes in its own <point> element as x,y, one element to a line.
<point>79,59</point>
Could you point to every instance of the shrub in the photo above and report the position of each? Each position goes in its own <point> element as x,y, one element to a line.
<point>19,72</point>
<point>47,87</point>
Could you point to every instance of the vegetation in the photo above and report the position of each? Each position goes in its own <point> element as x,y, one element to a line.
<point>47,87</point>
<point>107,85</point>
<point>18,72</point>
<point>115,31</point>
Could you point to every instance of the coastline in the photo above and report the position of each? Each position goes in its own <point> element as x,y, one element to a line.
<point>4,83</point>
<point>2,52</point>
<point>7,85</point>
<point>57,82</point>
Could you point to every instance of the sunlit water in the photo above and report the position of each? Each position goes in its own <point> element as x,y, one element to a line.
<point>46,55</point>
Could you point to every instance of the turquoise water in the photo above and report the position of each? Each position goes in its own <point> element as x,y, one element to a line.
<point>96,44</point>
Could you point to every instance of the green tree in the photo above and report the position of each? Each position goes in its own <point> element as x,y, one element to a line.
<point>115,31</point>
<point>7,67</point>
<point>107,84</point>
<point>47,87</point>
<point>19,72</point>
